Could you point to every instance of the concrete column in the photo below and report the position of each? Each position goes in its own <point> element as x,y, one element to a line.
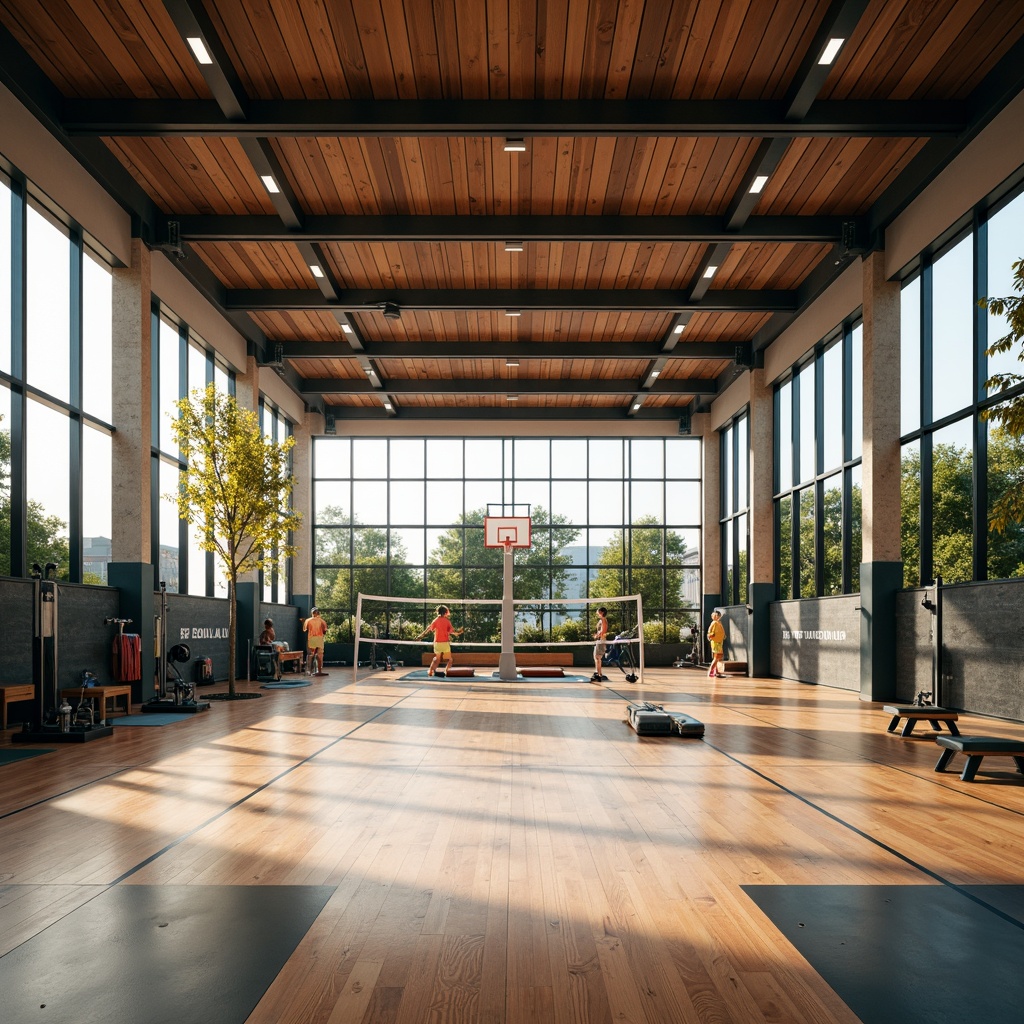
<point>761,588</point>
<point>302,499</point>
<point>131,568</point>
<point>711,533</point>
<point>881,574</point>
<point>132,409</point>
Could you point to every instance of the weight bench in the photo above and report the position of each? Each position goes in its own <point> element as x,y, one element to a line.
<point>976,748</point>
<point>914,713</point>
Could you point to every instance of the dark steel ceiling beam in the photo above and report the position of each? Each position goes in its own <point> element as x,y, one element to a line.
<point>486,228</point>
<point>508,413</point>
<point>528,118</point>
<point>519,386</point>
<point>597,299</point>
<point>511,349</point>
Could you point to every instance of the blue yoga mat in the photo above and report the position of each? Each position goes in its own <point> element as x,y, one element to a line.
<point>286,686</point>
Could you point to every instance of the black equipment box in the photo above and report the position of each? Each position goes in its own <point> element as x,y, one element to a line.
<point>202,670</point>
<point>649,719</point>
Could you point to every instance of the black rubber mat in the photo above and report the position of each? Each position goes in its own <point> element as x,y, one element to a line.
<point>917,954</point>
<point>149,954</point>
<point>8,755</point>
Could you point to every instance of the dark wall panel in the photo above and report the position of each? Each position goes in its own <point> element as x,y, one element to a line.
<point>202,624</point>
<point>736,621</point>
<point>817,640</point>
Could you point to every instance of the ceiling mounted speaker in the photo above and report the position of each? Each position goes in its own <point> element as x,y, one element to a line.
<point>330,427</point>
<point>392,311</point>
<point>684,423</point>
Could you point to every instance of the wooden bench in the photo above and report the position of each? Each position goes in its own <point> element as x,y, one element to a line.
<point>914,713</point>
<point>100,694</point>
<point>976,748</point>
<point>11,693</point>
<point>297,660</point>
<point>481,658</point>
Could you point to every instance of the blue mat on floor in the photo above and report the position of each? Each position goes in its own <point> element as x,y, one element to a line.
<point>490,677</point>
<point>920,954</point>
<point>286,686</point>
<point>157,718</point>
<point>9,755</point>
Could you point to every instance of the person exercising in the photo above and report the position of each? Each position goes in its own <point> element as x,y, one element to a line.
<point>315,629</point>
<point>443,631</point>
<point>600,634</point>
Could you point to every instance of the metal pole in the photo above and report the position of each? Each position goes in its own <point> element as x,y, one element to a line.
<point>507,659</point>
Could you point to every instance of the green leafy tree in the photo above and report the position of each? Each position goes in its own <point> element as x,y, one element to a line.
<point>650,570</point>
<point>46,536</point>
<point>1009,415</point>
<point>235,489</point>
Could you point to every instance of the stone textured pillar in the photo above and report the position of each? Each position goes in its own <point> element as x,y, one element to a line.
<point>761,588</point>
<point>881,574</point>
<point>711,533</point>
<point>132,409</point>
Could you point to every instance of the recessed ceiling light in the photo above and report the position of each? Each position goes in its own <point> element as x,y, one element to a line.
<point>370,370</point>
<point>514,146</point>
<point>199,49</point>
<point>317,272</point>
<point>679,328</point>
<point>269,184</point>
<point>512,398</point>
<point>513,247</point>
<point>513,312</point>
<point>388,406</point>
<point>636,405</point>
<point>831,49</point>
<point>346,328</point>
<point>710,271</point>
<point>654,373</point>
<point>511,362</point>
<point>758,183</point>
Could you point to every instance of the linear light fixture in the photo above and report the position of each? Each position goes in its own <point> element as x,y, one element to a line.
<point>831,49</point>
<point>199,49</point>
<point>270,184</point>
<point>679,328</point>
<point>514,247</point>
<point>654,373</point>
<point>636,405</point>
<point>317,272</point>
<point>758,184</point>
<point>513,312</point>
<point>511,362</point>
<point>388,406</point>
<point>710,271</point>
<point>514,146</point>
<point>512,398</point>
<point>346,328</point>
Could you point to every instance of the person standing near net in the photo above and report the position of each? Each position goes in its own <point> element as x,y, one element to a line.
<point>599,648</point>
<point>443,631</point>
<point>716,637</point>
<point>315,629</point>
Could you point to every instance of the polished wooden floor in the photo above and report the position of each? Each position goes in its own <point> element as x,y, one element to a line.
<point>514,853</point>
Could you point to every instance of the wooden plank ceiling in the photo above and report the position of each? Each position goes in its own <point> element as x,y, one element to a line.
<point>647,272</point>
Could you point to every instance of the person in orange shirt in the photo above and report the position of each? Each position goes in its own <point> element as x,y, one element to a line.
<point>443,631</point>
<point>315,629</point>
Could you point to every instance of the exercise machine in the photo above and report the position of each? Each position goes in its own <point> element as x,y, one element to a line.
<point>173,694</point>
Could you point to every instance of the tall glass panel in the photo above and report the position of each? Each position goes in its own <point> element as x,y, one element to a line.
<point>726,446</point>
<point>953,330</point>
<point>682,457</point>
<point>48,311</point>
<point>856,391</point>
<point>97,471</point>
<point>910,356</point>
<point>742,463</point>
<point>832,407</point>
<point>728,562</point>
<point>97,321</point>
<point>5,280</point>
<point>1005,231</point>
<point>952,503</point>
<point>5,480</point>
<point>170,387</point>
<point>910,513</point>
<point>168,555</point>
<point>806,438</point>
<point>856,529</point>
<point>784,440</point>
<point>742,559</point>
<point>1005,475</point>
<point>198,364</point>
<point>48,475</point>
<point>784,545</point>
<point>805,504</point>
<point>832,531</point>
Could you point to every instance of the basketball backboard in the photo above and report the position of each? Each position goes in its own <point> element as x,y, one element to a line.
<point>511,531</point>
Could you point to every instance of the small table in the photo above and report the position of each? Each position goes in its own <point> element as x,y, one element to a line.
<point>976,748</point>
<point>11,693</point>
<point>914,713</point>
<point>297,659</point>
<point>101,694</point>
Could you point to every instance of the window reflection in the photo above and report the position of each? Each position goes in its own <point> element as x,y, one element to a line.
<point>48,309</point>
<point>952,466</point>
<point>952,330</point>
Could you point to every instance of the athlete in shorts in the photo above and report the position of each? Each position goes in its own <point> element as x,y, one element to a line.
<point>316,630</point>
<point>443,631</point>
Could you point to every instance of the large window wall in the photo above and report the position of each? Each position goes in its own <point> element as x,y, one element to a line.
<point>955,463</point>
<point>276,583</point>
<point>55,392</point>
<point>611,516</point>
<point>818,436</point>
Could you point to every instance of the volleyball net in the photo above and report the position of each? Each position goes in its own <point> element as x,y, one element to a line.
<point>396,625</point>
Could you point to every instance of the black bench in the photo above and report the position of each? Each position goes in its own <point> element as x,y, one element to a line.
<point>976,748</point>
<point>914,713</point>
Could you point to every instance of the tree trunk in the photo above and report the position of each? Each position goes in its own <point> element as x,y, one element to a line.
<point>232,633</point>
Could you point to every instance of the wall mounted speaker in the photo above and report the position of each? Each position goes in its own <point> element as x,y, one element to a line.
<point>684,423</point>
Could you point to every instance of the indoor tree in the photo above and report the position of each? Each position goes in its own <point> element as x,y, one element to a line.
<point>235,490</point>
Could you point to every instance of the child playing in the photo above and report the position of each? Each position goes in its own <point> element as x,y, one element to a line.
<point>443,631</point>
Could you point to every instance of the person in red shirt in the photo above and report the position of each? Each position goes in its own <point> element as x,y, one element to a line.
<point>443,631</point>
<point>315,629</point>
